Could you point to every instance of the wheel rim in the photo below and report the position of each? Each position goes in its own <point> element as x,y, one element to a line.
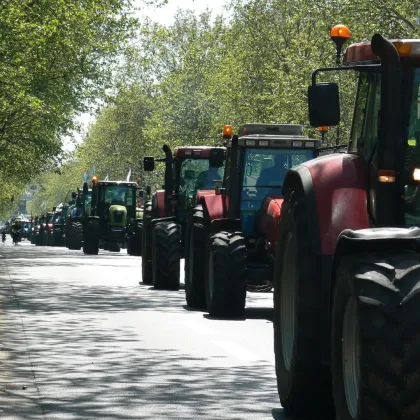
<point>350,355</point>
<point>211,275</point>
<point>288,302</point>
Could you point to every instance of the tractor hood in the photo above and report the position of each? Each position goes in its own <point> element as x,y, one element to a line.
<point>118,216</point>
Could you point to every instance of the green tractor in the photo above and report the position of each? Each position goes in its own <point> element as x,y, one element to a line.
<point>113,210</point>
<point>76,213</point>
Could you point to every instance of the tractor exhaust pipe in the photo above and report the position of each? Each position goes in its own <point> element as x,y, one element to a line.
<point>389,149</point>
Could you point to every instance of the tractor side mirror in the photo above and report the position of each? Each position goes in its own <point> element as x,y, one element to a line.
<point>324,104</point>
<point>85,188</point>
<point>148,190</point>
<point>149,163</point>
<point>141,193</point>
<point>54,208</point>
<point>78,202</point>
<point>217,157</point>
<point>73,195</point>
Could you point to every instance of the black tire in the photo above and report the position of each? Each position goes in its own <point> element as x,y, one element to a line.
<point>90,240</point>
<point>146,258</point>
<point>134,245</point>
<point>195,251</point>
<point>74,236</point>
<point>376,300</point>
<point>304,383</point>
<point>226,274</point>
<point>166,255</point>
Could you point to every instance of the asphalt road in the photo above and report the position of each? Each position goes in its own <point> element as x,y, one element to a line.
<point>82,339</point>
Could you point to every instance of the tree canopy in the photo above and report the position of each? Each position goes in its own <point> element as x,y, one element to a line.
<point>180,84</point>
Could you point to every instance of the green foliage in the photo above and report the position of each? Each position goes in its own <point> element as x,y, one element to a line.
<point>56,56</point>
<point>181,84</point>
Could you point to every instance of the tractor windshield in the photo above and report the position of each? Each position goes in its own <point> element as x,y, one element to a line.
<point>118,195</point>
<point>264,172</point>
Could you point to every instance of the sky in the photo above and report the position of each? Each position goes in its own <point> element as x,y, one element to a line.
<point>165,16</point>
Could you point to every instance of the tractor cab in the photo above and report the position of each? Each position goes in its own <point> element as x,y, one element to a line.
<point>264,152</point>
<point>188,170</point>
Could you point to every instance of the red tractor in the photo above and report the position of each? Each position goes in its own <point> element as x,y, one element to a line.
<point>188,170</point>
<point>347,274</point>
<point>232,232</point>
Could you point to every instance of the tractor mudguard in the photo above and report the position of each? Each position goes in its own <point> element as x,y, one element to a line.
<point>335,193</point>
<point>204,193</point>
<point>218,225</point>
<point>158,203</point>
<point>374,240</point>
<point>214,206</point>
<point>334,199</point>
<point>163,219</point>
<point>268,219</point>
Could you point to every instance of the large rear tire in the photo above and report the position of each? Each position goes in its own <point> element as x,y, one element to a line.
<point>195,252</point>
<point>166,255</point>
<point>376,327</point>
<point>304,383</point>
<point>146,258</point>
<point>226,274</point>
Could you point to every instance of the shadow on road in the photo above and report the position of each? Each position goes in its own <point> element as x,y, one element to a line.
<point>113,375</point>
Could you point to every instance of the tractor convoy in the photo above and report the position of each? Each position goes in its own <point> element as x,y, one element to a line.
<point>335,234</point>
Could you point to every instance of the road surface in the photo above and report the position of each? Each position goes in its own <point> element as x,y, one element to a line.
<point>82,339</point>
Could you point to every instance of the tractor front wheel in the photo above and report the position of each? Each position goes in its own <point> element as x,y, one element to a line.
<point>375,336</point>
<point>166,255</point>
<point>74,236</point>
<point>304,383</point>
<point>226,274</point>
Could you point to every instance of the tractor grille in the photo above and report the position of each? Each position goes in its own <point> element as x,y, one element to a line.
<point>118,217</point>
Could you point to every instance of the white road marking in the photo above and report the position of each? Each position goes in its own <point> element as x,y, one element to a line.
<point>198,327</point>
<point>238,351</point>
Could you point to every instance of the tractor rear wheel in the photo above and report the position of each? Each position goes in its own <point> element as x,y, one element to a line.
<point>304,383</point>
<point>166,250</point>
<point>226,274</point>
<point>146,245</point>
<point>195,251</point>
<point>376,328</point>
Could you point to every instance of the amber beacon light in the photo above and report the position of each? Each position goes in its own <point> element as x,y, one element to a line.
<point>340,34</point>
<point>227,131</point>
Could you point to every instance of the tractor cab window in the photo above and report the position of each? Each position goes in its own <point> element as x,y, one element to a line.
<point>263,174</point>
<point>114,194</point>
<point>364,133</point>
<point>197,175</point>
<point>131,194</point>
<point>87,205</point>
<point>412,159</point>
